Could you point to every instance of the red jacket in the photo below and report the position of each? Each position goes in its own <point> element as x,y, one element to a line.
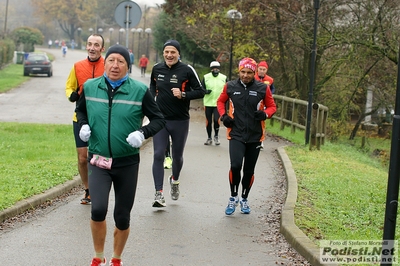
<point>143,62</point>
<point>266,80</point>
<point>243,101</point>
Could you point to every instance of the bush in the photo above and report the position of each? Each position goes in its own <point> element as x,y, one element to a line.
<point>28,37</point>
<point>7,48</point>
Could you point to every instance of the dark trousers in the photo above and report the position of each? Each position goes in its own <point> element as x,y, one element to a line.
<point>246,155</point>
<point>124,180</point>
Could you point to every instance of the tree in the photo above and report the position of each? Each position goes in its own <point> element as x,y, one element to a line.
<point>357,45</point>
<point>69,14</point>
<point>164,29</point>
<point>28,37</point>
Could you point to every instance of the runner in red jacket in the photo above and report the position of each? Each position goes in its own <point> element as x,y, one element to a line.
<point>250,103</point>
<point>143,61</point>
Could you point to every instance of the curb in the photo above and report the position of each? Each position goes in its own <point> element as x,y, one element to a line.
<point>295,237</point>
<point>36,200</point>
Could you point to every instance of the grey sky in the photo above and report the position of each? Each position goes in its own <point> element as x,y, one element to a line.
<point>149,2</point>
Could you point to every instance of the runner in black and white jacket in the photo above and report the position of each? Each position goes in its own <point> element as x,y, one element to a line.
<point>173,84</point>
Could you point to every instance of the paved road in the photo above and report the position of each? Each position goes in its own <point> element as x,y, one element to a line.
<point>191,231</point>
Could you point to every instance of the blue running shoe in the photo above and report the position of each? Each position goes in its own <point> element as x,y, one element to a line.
<point>244,206</point>
<point>233,202</point>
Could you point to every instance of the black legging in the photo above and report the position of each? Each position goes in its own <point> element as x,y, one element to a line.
<point>143,70</point>
<point>209,112</point>
<point>178,130</point>
<point>124,180</point>
<point>239,151</point>
<point>168,149</point>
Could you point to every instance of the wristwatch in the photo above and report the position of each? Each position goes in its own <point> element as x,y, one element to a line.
<point>183,95</point>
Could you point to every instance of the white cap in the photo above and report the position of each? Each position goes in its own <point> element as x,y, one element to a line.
<point>215,64</point>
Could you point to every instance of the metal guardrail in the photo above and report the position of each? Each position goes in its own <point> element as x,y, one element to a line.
<point>293,112</point>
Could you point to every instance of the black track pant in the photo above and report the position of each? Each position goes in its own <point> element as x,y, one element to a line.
<point>178,130</point>
<point>209,112</point>
<point>245,154</point>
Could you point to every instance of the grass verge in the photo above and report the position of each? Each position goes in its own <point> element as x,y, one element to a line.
<point>11,76</point>
<point>341,187</point>
<point>33,162</point>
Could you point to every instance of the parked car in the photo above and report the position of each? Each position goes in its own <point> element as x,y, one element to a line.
<point>38,63</point>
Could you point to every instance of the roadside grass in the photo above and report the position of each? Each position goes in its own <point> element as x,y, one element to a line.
<point>341,187</point>
<point>11,76</point>
<point>35,157</point>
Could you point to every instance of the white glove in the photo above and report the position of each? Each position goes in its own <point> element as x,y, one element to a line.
<point>135,139</point>
<point>84,133</point>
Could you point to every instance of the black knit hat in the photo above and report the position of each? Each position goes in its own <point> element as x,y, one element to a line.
<point>119,49</point>
<point>173,43</point>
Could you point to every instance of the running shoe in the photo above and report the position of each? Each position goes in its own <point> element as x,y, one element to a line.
<point>174,188</point>
<point>168,162</point>
<point>233,202</point>
<point>86,198</point>
<point>98,262</point>
<point>244,206</point>
<point>216,140</point>
<point>208,141</point>
<point>159,200</point>
<point>116,262</point>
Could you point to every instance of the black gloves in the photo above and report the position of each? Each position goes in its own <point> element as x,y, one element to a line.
<point>260,115</point>
<point>208,91</point>
<point>74,96</point>
<point>227,120</point>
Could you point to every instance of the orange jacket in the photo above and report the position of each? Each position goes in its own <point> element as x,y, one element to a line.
<point>82,71</point>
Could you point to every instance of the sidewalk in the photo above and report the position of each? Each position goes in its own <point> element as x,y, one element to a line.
<point>191,231</point>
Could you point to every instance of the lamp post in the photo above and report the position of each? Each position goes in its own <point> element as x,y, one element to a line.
<point>233,15</point>
<point>392,192</point>
<point>79,38</point>
<point>139,31</point>
<point>133,30</point>
<point>111,31</point>
<point>148,31</point>
<point>90,31</point>
<point>312,73</point>
<point>5,19</point>
<point>121,31</point>
<point>100,31</point>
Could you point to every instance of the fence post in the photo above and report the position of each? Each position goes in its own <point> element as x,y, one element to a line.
<point>295,119</point>
<point>313,133</point>
<point>283,112</point>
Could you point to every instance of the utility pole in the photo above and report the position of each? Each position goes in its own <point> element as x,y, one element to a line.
<point>392,194</point>
<point>5,20</point>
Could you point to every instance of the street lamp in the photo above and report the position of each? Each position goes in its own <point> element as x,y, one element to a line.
<point>111,31</point>
<point>121,31</point>
<point>139,31</point>
<point>100,30</point>
<point>148,31</point>
<point>133,30</point>
<point>79,38</point>
<point>90,31</point>
<point>233,15</point>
